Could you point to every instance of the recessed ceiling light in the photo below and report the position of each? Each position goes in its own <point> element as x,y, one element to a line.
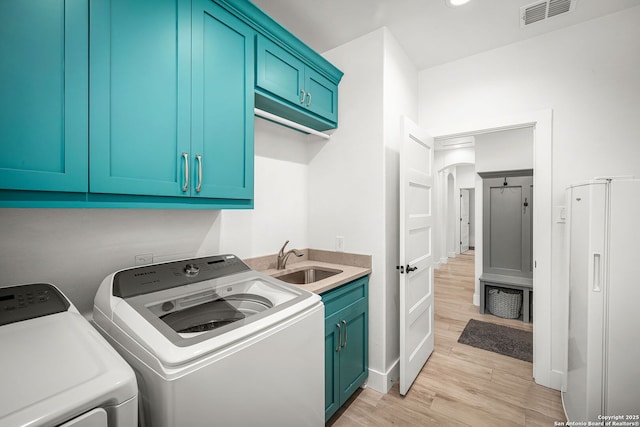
<point>455,3</point>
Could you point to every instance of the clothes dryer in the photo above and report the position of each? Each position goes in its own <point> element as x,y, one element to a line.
<point>55,367</point>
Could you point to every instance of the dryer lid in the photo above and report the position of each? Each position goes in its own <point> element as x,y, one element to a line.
<point>58,365</point>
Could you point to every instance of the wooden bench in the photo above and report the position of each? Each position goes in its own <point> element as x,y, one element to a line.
<point>508,282</point>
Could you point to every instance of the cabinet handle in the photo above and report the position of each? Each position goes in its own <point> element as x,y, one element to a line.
<point>199,186</point>
<point>339,337</point>
<point>596,272</point>
<point>303,96</point>
<point>308,98</point>
<point>344,322</point>
<point>185,187</point>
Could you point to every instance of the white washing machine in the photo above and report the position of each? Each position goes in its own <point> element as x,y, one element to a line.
<point>55,367</point>
<point>213,342</point>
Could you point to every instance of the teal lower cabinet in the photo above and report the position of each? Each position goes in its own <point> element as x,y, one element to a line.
<point>346,342</point>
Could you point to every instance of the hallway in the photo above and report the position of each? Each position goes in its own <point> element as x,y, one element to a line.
<point>459,384</point>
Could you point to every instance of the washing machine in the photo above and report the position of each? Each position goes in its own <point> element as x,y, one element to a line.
<point>55,367</point>
<point>214,343</point>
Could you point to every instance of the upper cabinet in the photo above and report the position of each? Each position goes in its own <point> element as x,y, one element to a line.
<point>146,103</point>
<point>222,103</point>
<point>172,100</point>
<point>140,91</point>
<point>287,87</point>
<point>292,80</point>
<point>43,95</point>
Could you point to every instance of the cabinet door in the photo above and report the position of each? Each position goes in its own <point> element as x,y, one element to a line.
<point>222,103</point>
<point>139,87</point>
<point>43,95</point>
<point>331,365</point>
<point>354,354</point>
<point>279,72</point>
<point>322,95</point>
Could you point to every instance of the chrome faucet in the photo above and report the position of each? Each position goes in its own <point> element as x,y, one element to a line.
<point>282,256</point>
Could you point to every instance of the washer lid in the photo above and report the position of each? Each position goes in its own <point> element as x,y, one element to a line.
<point>57,366</point>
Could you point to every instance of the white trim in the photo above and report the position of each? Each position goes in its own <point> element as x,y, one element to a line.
<point>476,299</point>
<point>443,261</point>
<point>382,382</point>
<point>451,254</point>
<point>289,123</point>
<point>542,121</point>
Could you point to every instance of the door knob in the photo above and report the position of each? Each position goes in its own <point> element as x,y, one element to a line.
<point>410,269</point>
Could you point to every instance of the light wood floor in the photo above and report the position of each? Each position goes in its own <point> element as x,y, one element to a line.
<point>459,384</point>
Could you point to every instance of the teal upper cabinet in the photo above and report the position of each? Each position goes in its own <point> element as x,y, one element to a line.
<point>222,103</point>
<point>292,80</point>
<point>43,95</point>
<point>171,100</point>
<point>140,110</point>
<point>289,88</point>
<point>146,103</point>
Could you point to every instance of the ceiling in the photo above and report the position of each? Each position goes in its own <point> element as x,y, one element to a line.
<point>431,32</point>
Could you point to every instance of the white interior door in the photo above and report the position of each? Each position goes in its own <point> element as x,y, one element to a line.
<point>464,220</point>
<point>416,256</point>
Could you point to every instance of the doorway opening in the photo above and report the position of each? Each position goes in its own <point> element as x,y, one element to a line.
<point>467,219</point>
<point>541,121</point>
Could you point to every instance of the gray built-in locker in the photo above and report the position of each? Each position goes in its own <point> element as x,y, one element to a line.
<point>508,223</point>
<point>507,243</point>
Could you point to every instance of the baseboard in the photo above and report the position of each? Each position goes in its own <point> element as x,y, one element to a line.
<point>557,378</point>
<point>552,378</point>
<point>476,299</point>
<point>451,254</point>
<point>436,265</point>
<point>443,261</point>
<point>382,382</point>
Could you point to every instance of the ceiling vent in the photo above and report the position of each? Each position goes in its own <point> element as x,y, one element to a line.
<point>542,10</point>
<point>453,143</point>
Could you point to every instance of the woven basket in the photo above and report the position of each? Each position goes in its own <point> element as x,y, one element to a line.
<point>504,302</point>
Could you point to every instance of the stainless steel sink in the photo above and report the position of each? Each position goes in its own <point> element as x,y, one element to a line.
<point>308,275</point>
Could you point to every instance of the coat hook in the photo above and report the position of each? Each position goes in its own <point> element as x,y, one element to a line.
<point>505,181</point>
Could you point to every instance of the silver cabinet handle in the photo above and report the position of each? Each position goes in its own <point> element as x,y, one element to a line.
<point>185,187</point>
<point>199,186</point>
<point>344,322</point>
<point>339,337</point>
<point>308,98</point>
<point>303,96</point>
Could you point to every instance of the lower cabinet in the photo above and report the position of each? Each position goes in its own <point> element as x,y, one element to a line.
<point>346,342</point>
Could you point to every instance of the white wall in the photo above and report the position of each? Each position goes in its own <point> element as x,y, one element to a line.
<point>346,176</point>
<point>400,99</point>
<point>76,248</point>
<point>281,198</point>
<point>466,176</point>
<point>587,74</point>
<point>354,179</point>
<point>504,150</point>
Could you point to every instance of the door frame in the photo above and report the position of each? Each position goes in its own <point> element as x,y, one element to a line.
<point>542,123</point>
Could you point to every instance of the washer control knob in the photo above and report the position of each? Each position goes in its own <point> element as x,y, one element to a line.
<point>191,270</point>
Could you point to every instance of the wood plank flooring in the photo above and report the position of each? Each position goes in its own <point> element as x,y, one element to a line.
<point>459,385</point>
